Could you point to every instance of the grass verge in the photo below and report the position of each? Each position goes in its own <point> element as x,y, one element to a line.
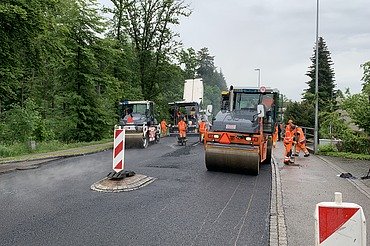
<point>347,155</point>
<point>21,151</point>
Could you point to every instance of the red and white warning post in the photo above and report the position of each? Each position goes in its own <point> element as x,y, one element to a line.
<point>339,224</point>
<point>119,150</point>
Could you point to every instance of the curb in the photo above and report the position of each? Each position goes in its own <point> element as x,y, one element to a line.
<point>278,234</point>
<point>127,184</point>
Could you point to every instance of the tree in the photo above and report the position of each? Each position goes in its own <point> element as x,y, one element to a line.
<point>326,92</point>
<point>302,113</point>
<point>358,105</point>
<point>190,61</point>
<point>21,23</point>
<point>366,78</point>
<point>82,101</point>
<point>148,25</point>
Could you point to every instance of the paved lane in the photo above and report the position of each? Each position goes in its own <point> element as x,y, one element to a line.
<point>185,205</point>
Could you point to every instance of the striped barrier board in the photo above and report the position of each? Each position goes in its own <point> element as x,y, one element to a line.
<point>339,224</point>
<point>119,150</point>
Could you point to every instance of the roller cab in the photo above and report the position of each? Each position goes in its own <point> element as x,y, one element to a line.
<point>141,127</point>
<point>240,137</point>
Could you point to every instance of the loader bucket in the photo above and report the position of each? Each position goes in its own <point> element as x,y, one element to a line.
<point>232,158</point>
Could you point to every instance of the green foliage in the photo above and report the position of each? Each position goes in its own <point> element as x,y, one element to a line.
<point>148,24</point>
<point>21,124</point>
<point>326,92</point>
<point>302,113</point>
<point>358,108</point>
<point>333,126</point>
<point>355,144</point>
<point>366,78</point>
<point>347,155</point>
<point>327,148</point>
<point>61,79</point>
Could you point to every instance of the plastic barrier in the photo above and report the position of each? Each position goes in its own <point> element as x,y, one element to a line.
<point>119,149</point>
<point>339,224</point>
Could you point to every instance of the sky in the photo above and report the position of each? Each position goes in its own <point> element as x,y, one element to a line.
<point>278,37</point>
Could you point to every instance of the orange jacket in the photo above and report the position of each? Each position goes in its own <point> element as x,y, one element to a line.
<point>289,134</point>
<point>202,127</point>
<point>182,126</point>
<point>301,137</point>
<point>163,125</point>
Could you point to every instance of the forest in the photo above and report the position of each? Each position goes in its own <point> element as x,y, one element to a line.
<point>66,64</point>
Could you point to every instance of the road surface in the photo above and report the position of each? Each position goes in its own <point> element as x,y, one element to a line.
<point>185,205</point>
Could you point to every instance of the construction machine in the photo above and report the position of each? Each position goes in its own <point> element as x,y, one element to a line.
<point>188,111</point>
<point>141,127</point>
<point>240,138</point>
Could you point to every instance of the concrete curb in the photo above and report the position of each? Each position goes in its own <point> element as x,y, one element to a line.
<point>278,234</point>
<point>127,184</point>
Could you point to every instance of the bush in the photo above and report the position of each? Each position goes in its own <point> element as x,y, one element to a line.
<point>355,144</point>
<point>327,148</point>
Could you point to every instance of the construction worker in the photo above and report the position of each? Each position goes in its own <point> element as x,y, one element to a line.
<point>182,128</point>
<point>202,129</point>
<point>301,143</point>
<point>164,127</point>
<point>288,142</point>
<point>275,135</point>
<point>290,123</point>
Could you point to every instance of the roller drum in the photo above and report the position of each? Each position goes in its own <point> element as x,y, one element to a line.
<point>232,158</point>
<point>136,140</point>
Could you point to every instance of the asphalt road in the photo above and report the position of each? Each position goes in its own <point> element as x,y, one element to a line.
<point>185,205</point>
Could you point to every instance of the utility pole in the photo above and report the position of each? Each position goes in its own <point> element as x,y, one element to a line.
<point>316,133</point>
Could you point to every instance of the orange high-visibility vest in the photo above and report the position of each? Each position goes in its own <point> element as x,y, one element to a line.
<point>202,127</point>
<point>288,138</point>
<point>301,138</point>
<point>182,126</point>
<point>164,125</point>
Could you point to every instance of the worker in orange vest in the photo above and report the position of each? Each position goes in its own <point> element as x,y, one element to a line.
<point>164,127</point>
<point>290,123</point>
<point>301,143</point>
<point>202,129</point>
<point>288,142</point>
<point>275,135</point>
<point>182,128</point>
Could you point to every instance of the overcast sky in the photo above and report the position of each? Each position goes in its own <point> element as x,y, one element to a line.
<point>278,36</point>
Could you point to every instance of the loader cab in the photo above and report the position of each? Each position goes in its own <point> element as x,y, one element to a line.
<point>136,112</point>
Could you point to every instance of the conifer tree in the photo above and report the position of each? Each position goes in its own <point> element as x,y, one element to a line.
<point>326,90</point>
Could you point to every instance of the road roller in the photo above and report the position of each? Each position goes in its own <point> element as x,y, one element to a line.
<point>240,138</point>
<point>141,127</point>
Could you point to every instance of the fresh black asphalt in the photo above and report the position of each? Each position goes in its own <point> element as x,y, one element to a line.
<point>185,205</point>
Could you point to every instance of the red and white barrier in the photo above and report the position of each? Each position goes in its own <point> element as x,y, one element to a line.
<point>339,224</point>
<point>119,150</point>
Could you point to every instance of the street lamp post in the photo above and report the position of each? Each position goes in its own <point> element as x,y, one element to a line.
<point>316,132</point>
<point>259,76</point>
